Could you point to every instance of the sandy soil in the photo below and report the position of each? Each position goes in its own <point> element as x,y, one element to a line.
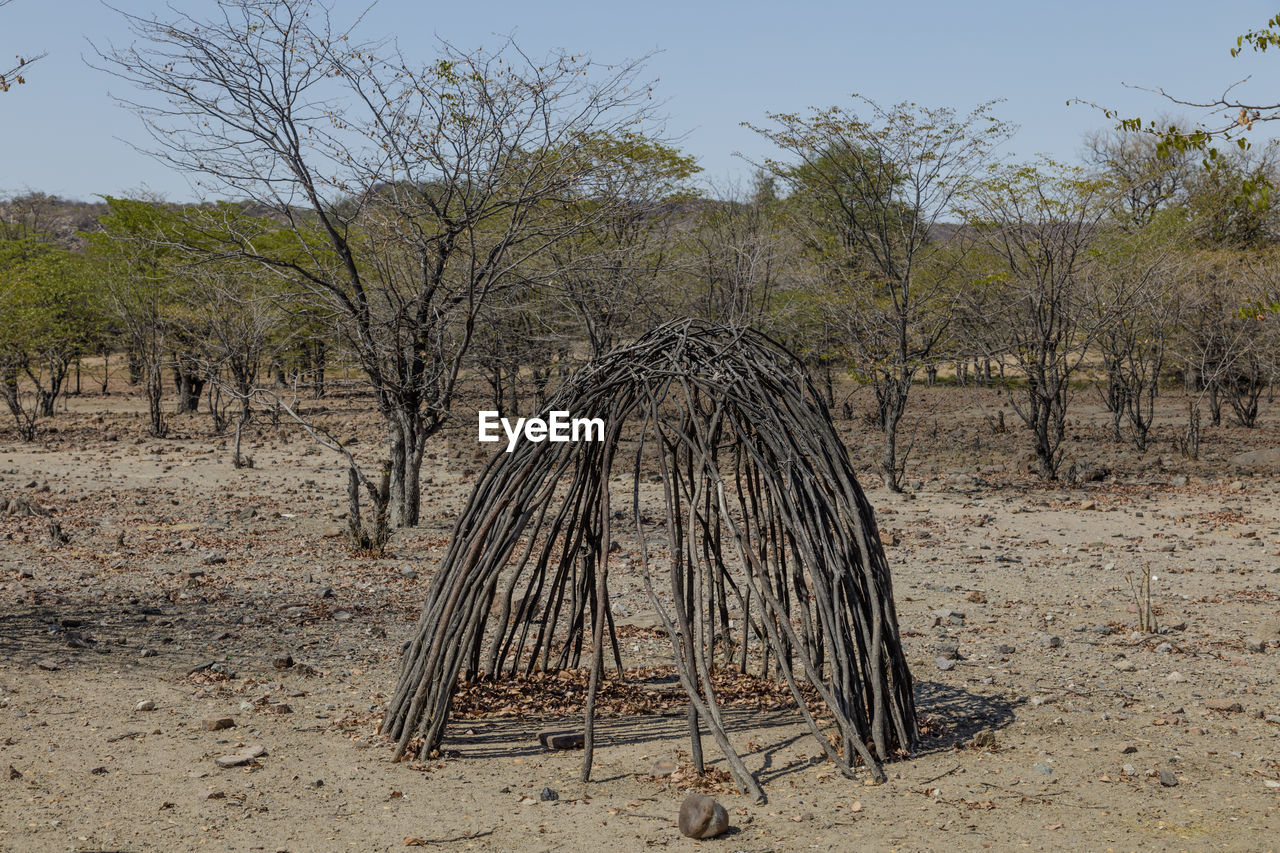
<point>184,581</point>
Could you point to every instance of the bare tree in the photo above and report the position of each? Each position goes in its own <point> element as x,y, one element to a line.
<point>1035,303</point>
<point>1143,182</point>
<point>241,320</point>
<point>739,249</point>
<point>870,193</point>
<point>1134,342</point>
<point>609,273</point>
<point>1225,341</point>
<point>405,194</point>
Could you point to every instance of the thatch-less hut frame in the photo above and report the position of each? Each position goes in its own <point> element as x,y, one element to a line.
<point>763,514</point>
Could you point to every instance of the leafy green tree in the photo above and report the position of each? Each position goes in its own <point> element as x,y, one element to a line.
<point>50,315</point>
<point>141,278</point>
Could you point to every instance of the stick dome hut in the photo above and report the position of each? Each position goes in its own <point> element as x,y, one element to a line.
<point>762,511</point>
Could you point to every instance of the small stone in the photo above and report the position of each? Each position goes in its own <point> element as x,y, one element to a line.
<point>1255,645</point>
<point>326,592</point>
<point>1041,700</point>
<point>283,662</point>
<point>948,651</point>
<point>702,817</point>
<point>1044,768</point>
<point>409,573</point>
<point>1129,770</point>
<point>217,724</point>
<point>947,615</point>
<point>145,705</point>
<point>1228,706</point>
<point>548,795</point>
<point>1128,749</point>
<point>99,771</point>
<point>246,706</point>
<point>280,708</point>
<point>1164,649</point>
<point>561,739</point>
<point>148,653</point>
<point>1125,666</point>
<point>26,574</point>
<point>1168,779</point>
<point>662,768</point>
<point>945,665</point>
<point>241,758</point>
<point>342,616</point>
<point>985,739</point>
<point>1053,642</point>
<point>1175,677</point>
<point>210,794</point>
<point>214,558</point>
<point>1003,649</point>
<point>975,596</point>
<point>48,665</point>
<point>13,774</point>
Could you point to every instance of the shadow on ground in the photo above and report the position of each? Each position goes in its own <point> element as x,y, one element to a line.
<point>956,715</point>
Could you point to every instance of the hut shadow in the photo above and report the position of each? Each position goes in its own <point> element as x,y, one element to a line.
<point>955,715</point>
<point>761,738</point>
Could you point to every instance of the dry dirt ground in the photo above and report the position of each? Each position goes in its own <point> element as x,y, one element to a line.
<point>183,581</point>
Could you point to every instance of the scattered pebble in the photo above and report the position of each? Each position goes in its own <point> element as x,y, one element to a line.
<point>1229,706</point>
<point>217,724</point>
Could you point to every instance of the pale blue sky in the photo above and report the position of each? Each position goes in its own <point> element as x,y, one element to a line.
<point>720,63</point>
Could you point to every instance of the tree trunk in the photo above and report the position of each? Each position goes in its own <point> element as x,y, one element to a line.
<point>893,404</point>
<point>47,398</point>
<point>154,387</point>
<point>318,360</point>
<point>135,367</point>
<point>190,386</point>
<point>407,442</point>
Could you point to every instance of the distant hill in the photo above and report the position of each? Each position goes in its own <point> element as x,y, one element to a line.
<point>40,213</point>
